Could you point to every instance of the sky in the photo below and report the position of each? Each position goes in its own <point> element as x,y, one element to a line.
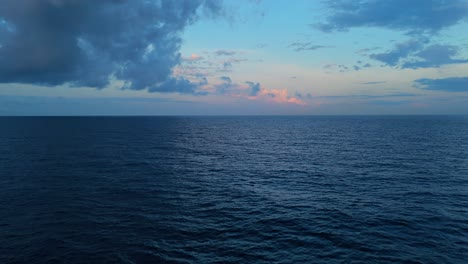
<point>233,57</point>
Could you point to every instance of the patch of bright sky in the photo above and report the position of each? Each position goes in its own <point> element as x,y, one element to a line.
<point>274,26</point>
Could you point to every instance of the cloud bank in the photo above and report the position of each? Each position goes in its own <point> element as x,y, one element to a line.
<point>89,42</point>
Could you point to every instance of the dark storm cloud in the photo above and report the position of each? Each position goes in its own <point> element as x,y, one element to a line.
<point>454,84</point>
<point>87,42</point>
<point>411,16</point>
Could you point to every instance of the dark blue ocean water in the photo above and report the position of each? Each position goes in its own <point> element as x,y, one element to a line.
<point>234,189</point>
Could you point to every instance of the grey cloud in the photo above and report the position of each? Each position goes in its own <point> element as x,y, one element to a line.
<point>415,54</point>
<point>302,96</point>
<point>227,67</point>
<point>228,63</point>
<point>421,19</point>
<point>228,86</point>
<point>435,56</point>
<point>400,51</point>
<point>414,16</point>
<point>370,83</point>
<point>254,88</point>
<point>304,46</point>
<point>329,66</point>
<point>453,84</point>
<point>225,86</point>
<point>343,68</point>
<point>225,52</point>
<point>225,79</point>
<point>365,51</point>
<point>86,42</point>
<point>179,85</point>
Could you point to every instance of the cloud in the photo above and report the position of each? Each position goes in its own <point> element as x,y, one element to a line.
<point>414,54</point>
<point>420,19</point>
<point>227,64</point>
<point>304,46</point>
<point>225,86</point>
<point>195,66</point>
<point>87,43</point>
<point>193,58</point>
<point>370,83</point>
<point>415,16</point>
<point>254,88</point>
<point>435,56</point>
<point>280,96</point>
<point>226,79</point>
<point>254,91</point>
<point>453,84</point>
<point>301,96</point>
<point>365,51</point>
<point>178,85</point>
<point>225,52</point>
<point>400,51</point>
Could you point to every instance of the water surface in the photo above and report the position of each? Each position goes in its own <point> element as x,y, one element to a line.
<point>234,189</point>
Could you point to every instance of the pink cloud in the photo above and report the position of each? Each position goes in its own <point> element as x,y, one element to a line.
<point>277,95</point>
<point>193,58</point>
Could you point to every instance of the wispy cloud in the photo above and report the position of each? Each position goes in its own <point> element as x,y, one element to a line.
<point>372,83</point>
<point>210,64</point>
<point>305,46</point>
<point>365,51</point>
<point>225,52</point>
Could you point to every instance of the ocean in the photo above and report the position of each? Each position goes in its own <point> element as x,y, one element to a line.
<point>286,189</point>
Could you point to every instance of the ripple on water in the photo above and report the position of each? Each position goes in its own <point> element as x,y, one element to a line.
<point>234,190</point>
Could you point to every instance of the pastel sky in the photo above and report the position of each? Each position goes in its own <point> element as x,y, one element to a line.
<point>233,57</point>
